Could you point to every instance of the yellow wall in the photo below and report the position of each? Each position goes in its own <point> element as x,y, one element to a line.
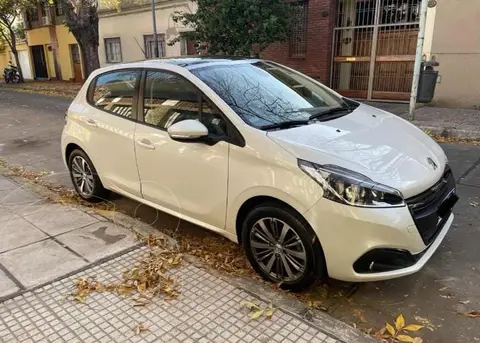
<point>5,56</point>
<point>65,38</point>
<point>41,36</point>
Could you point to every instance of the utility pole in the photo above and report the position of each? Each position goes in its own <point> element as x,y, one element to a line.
<point>418,58</point>
<point>155,37</point>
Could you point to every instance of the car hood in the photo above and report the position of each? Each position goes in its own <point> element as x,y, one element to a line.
<point>370,141</point>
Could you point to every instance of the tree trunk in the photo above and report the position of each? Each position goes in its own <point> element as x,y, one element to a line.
<point>17,62</point>
<point>90,60</point>
<point>83,23</point>
<point>12,42</point>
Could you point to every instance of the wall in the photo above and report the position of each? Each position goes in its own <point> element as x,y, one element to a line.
<point>316,64</point>
<point>6,56</point>
<point>65,38</point>
<point>41,36</point>
<point>133,24</point>
<point>456,46</point>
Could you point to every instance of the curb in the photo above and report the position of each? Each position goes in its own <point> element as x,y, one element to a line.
<point>451,132</point>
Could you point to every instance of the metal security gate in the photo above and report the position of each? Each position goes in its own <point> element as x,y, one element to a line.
<point>374,44</point>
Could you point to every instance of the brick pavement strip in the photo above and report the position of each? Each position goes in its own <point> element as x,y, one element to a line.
<point>208,310</point>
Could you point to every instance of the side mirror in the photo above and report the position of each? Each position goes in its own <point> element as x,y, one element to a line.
<point>187,130</point>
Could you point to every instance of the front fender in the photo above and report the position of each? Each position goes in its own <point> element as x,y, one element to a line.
<point>258,191</point>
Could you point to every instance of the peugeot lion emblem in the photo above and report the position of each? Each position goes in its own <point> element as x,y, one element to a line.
<point>432,163</point>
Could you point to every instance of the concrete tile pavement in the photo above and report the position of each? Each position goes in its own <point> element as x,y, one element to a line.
<point>42,241</point>
<point>208,310</point>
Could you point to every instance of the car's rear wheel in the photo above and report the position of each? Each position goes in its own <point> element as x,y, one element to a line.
<point>282,248</point>
<point>85,177</point>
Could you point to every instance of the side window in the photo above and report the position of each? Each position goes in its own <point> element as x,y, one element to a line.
<point>113,92</point>
<point>169,98</point>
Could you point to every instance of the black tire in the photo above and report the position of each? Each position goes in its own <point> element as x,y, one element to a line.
<point>315,267</point>
<point>98,192</point>
<point>16,79</point>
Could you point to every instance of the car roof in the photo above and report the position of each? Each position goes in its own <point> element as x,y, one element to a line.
<point>189,63</point>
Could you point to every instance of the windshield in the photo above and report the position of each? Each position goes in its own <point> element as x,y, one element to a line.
<point>264,93</point>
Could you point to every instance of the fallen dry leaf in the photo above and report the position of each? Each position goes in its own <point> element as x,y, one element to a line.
<point>257,314</point>
<point>464,302</point>
<point>470,314</point>
<point>250,305</point>
<point>359,315</point>
<point>390,329</point>
<point>417,340</point>
<point>413,327</point>
<point>380,334</point>
<point>269,312</point>
<point>404,338</point>
<point>139,328</point>
<point>399,322</point>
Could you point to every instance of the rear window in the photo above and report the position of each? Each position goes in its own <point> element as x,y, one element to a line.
<point>113,92</point>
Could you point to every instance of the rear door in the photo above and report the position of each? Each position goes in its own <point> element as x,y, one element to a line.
<point>110,123</point>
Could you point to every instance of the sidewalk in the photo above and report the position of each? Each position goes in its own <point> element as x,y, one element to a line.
<point>442,122</point>
<point>57,88</point>
<point>47,247</point>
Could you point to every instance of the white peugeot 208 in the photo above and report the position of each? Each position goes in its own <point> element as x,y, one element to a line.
<point>312,184</point>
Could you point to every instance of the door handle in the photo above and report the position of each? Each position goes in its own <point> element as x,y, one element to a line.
<point>90,122</point>
<point>145,143</point>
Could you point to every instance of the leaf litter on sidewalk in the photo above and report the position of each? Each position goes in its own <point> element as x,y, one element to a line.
<point>146,280</point>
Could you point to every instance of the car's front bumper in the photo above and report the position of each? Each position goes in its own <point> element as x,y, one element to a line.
<point>348,233</point>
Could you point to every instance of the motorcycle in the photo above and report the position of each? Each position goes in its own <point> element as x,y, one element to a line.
<point>10,74</point>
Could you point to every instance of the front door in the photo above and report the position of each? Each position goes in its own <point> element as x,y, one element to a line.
<point>76,62</point>
<point>187,179</point>
<point>39,62</point>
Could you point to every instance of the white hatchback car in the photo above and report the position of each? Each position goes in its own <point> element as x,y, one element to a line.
<point>311,183</point>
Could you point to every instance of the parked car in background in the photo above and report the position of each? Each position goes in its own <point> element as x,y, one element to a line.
<point>312,184</point>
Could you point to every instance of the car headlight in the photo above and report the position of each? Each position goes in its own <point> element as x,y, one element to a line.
<point>351,188</point>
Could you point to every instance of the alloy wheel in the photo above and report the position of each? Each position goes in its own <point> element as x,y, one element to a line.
<point>278,249</point>
<point>82,176</point>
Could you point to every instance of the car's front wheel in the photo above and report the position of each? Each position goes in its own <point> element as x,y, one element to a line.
<point>85,178</point>
<point>282,248</point>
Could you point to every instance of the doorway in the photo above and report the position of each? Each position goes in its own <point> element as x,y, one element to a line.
<point>39,62</point>
<point>76,62</point>
<point>374,47</point>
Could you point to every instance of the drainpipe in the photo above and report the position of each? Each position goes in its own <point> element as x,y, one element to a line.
<point>418,59</point>
<point>155,51</point>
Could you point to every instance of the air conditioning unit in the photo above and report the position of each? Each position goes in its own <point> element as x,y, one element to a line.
<point>46,20</point>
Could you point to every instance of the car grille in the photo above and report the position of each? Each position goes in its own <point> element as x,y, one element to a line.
<point>431,208</point>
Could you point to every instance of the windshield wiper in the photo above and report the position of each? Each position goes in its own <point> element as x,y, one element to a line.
<point>285,124</point>
<point>326,113</point>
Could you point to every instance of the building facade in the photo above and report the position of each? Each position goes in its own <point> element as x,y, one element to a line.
<point>6,56</point>
<point>127,35</point>
<point>54,52</point>
<point>452,38</point>
<point>309,48</point>
<point>365,49</point>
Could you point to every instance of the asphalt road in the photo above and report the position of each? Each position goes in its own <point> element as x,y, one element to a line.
<point>30,129</point>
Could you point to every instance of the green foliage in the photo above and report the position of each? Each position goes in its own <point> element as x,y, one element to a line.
<point>236,27</point>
